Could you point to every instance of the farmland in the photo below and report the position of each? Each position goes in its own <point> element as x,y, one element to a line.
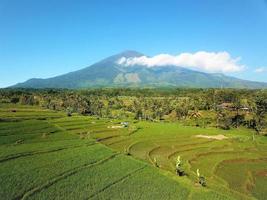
<point>232,165</point>
<point>52,158</point>
<point>48,154</point>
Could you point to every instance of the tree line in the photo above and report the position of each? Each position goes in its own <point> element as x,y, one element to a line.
<point>223,108</point>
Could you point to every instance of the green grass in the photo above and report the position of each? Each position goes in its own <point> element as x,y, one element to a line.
<point>46,155</point>
<point>165,141</point>
<point>249,175</point>
<point>145,184</point>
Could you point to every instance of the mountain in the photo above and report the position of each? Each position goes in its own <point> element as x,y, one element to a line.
<point>108,73</point>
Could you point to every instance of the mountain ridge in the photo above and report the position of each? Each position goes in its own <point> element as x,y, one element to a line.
<point>108,73</point>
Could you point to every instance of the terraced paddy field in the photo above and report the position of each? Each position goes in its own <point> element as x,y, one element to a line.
<point>46,155</point>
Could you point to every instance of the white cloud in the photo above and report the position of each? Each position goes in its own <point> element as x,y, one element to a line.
<point>261,69</point>
<point>202,60</point>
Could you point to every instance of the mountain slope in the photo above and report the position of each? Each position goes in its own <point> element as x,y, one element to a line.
<point>108,73</point>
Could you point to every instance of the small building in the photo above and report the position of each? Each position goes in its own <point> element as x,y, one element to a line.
<point>226,106</point>
<point>245,109</point>
<point>231,106</point>
<point>125,124</point>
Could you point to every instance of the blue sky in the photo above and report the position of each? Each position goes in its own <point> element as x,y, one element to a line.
<point>44,38</point>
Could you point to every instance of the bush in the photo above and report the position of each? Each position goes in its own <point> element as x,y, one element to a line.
<point>179,167</point>
<point>155,162</point>
<point>202,181</point>
<point>69,111</point>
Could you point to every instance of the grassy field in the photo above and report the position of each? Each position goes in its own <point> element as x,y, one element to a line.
<point>46,155</point>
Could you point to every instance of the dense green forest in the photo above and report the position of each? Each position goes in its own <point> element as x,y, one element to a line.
<point>221,108</point>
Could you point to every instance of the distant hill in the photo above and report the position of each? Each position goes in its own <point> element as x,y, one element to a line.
<point>108,73</point>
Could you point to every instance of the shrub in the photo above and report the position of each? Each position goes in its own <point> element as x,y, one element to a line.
<point>201,179</point>
<point>179,168</point>
<point>155,162</point>
<point>126,151</point>
<point>69,111</point>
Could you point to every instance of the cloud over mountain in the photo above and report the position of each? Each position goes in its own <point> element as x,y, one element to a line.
<point>107,73</point>
<point>202,60</point>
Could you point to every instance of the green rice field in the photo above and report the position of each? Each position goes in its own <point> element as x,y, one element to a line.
<point>46,155</point>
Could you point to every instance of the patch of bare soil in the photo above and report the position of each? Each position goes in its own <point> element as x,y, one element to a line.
<point>262,173</point>
<point>115,126</point>
<point>214,137</point>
